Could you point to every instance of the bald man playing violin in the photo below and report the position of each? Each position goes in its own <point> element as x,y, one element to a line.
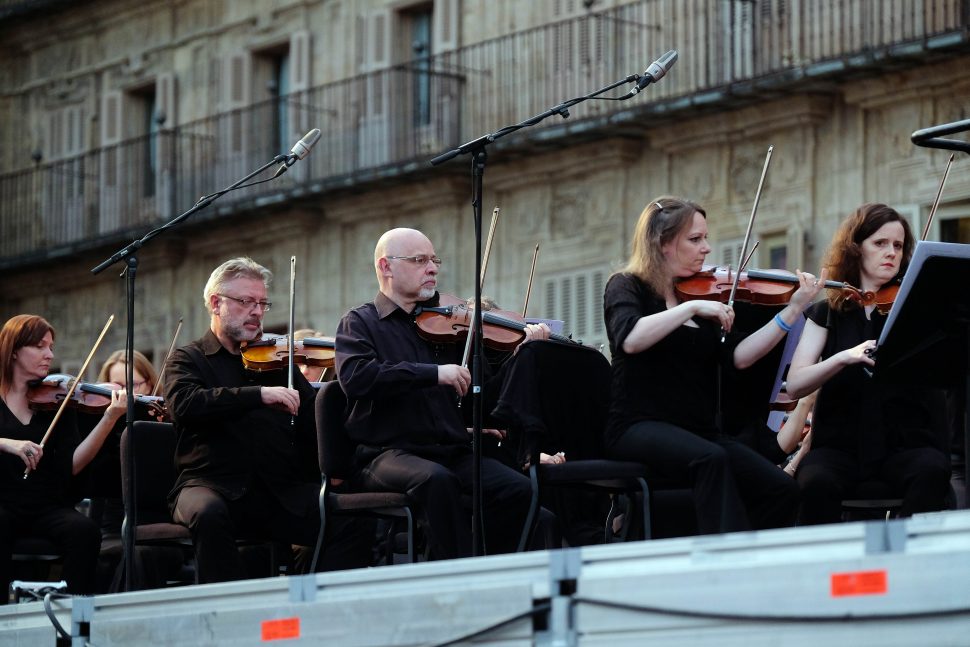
<point>403,394</point>
<point>239,473</point>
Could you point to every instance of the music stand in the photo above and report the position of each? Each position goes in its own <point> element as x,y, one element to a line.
<point>926,338</point>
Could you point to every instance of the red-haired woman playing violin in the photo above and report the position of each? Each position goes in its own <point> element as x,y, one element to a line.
<point>665,374</point>
<point>40,504</point>
<point>864,429</point>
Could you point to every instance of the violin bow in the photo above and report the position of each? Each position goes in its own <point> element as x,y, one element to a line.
<point>70,390</point>
<point>747,235</point>
<point>532,273</point>
<point>936,202</point>
<point>481,280</point>
<point>289,333</point>
<point>171,348</point>
<point>290,342</point>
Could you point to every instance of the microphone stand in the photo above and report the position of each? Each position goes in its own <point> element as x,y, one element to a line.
<point>476,148</point>
<point>129,254</point>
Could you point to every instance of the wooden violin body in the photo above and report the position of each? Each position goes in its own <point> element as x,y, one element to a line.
<point>272,353</point>
<point>49,393</point>
<point>450,321</point>
<point>763,287</point>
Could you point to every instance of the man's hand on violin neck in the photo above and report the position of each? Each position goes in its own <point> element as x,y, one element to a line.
<point>282,398</point>
<point>457,377</point>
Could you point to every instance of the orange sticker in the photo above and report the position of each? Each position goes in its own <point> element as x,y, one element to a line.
<point>281,629</point>
<point>859,583</point>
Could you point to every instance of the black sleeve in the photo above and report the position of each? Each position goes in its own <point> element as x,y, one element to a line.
<point>190,397</point>
<point>624,303</point>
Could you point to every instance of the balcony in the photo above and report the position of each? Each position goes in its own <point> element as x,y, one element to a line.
<point>388,123</point>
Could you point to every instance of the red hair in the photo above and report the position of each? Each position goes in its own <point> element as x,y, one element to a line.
<point>19,331</point>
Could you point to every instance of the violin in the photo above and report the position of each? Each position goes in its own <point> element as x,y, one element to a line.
<point>761,287</point>
<point>883,298</point>
<point>48,394</point>
<point>272,353</point>
<point>450,321</point>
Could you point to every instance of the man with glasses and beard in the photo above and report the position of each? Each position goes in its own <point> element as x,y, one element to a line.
<point>403,396</point>
<point>237,452</point>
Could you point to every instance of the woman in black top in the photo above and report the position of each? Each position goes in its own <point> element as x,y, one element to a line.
<point>40,505</point>
<point>666,356</point>
<point>865,430</point>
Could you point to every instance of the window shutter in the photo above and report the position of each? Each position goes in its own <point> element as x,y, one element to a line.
<point>729,253</point>
<point>374,130</point>
<point>165,99</point>
<point>111,162</point>
<point>576,298</point>
<point>235,97</point>
<point>447,25</point>
<point>74,131</point>
<point>165,102</point>
<point>299,116</point>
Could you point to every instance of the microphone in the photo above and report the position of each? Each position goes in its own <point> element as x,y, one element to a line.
<point>300,150</point>
<point>654,73</point>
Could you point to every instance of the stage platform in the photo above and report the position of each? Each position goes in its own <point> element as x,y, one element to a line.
<point>880,583</point>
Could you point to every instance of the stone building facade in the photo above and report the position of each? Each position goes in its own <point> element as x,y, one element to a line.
<point>118,114</point>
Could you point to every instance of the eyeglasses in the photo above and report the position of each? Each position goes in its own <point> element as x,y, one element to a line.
<point>248,303</point>
<point>421,259</point>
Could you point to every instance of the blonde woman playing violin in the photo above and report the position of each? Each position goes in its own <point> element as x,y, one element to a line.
<point>665,357</point>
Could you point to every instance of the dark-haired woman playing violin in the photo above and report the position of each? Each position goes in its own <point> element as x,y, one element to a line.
<point>665,374</point>
<point>39,505</point>
<point>864,429</point>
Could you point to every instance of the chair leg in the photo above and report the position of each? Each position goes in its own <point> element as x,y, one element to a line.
<point>530,520</point>
<point>410,524</point>
<point>323,527</point>
<point>645,495</point>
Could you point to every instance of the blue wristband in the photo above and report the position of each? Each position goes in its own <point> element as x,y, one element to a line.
<point>781,323</point>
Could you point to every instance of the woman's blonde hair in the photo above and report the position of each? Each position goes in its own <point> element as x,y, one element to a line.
<point>660,222</point>
<point>142,365</point>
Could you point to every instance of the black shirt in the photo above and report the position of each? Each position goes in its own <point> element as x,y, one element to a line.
<point>390,376</point>
<point>226,435</point>
<point>864,415</point>
<point>675,380</point>
<point>49,484</point>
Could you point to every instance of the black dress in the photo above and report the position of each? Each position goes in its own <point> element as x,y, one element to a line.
<point>42,504</point>
<point>864,429</point>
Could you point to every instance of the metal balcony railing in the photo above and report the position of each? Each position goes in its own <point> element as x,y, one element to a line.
<point>388,118</point>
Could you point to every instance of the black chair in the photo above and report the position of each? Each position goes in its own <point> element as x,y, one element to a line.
<point>153,478</point>
<point>335,452</point>
<point>871,500</point>
<point>555,397</point>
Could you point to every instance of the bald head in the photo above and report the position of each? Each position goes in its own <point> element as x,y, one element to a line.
<point>393,242</point>
<point>401,278</point>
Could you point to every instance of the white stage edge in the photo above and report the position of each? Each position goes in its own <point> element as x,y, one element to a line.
<point>898,583</point>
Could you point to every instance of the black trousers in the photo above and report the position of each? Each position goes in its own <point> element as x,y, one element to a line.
<point>436,481</point>
<point>827,475</point>
<point>734,487</point>
<point>216,522</point>
<point>78,540</point>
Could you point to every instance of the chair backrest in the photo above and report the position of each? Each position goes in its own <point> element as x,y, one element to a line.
<point>557,396</point>
<point>154,463</point>
<point>335,450</point>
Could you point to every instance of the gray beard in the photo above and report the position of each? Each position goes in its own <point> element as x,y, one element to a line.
<point>241,334</point>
